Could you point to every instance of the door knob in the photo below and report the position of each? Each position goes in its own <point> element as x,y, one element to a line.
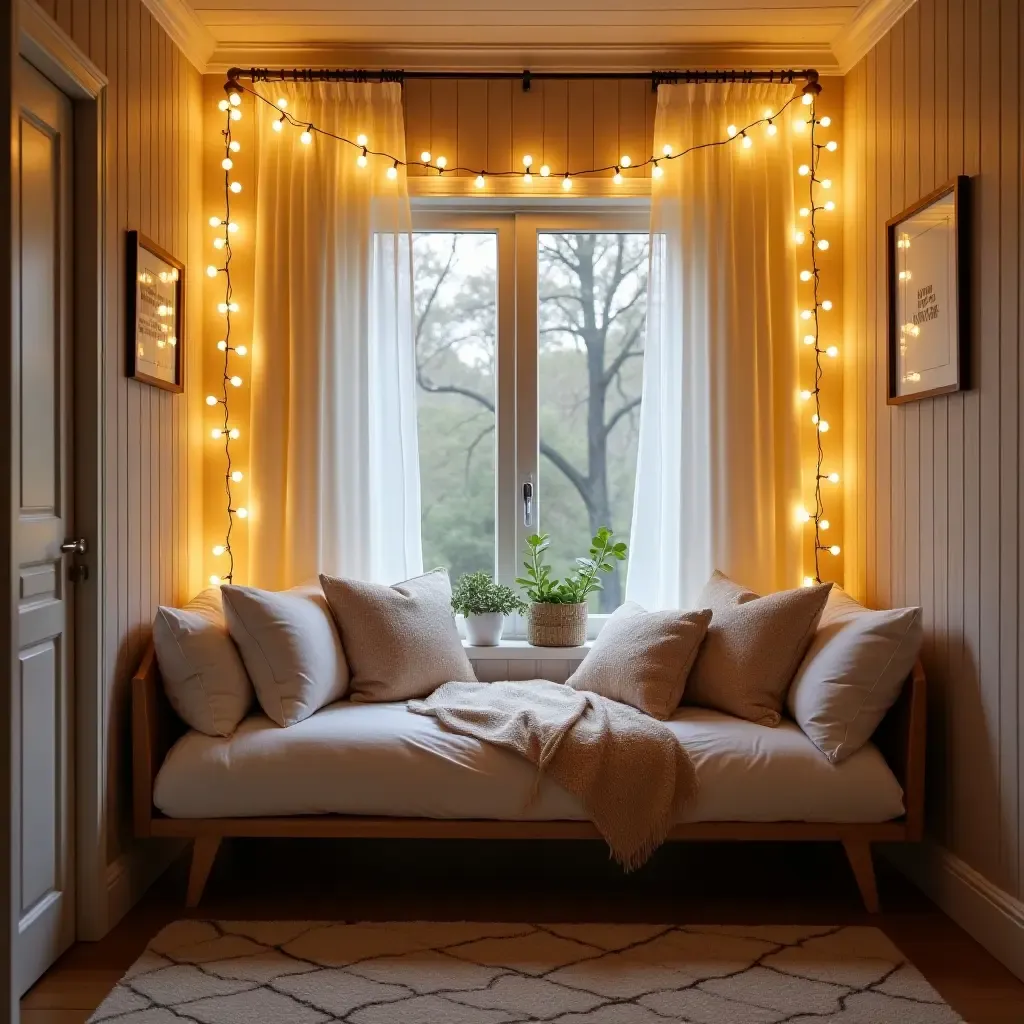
<point>75,547</point>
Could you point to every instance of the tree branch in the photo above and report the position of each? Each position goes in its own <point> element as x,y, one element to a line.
<point>429,305</point>
<point>625,410</point>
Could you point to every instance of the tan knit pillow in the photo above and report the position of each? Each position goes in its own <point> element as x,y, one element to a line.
<point>642,658</point>
<point>753,647</point>
<point>401,642</point>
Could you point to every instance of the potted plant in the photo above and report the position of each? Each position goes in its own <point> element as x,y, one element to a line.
<point>485,604</point>
<point>558,613</point>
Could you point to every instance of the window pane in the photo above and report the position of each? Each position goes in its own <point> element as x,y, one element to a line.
<point>593,301</point>
<point>455,279</point>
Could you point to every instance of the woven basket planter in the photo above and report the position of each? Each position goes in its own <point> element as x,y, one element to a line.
<point>557,625</point>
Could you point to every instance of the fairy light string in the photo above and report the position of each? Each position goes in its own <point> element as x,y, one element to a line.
<point>740,136</point>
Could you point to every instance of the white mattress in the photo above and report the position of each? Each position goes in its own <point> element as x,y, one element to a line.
<point>379,759</point>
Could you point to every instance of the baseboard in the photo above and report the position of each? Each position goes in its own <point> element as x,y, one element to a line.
<point>132,873</point>
<point>982,909</point>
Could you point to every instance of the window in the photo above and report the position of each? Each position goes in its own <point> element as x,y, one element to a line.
<point>529,344</point>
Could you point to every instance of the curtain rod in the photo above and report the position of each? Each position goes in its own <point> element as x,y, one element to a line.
<point>656,78</point>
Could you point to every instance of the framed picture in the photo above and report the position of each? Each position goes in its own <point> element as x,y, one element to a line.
<point>155,291</point>
<point>928,261</point>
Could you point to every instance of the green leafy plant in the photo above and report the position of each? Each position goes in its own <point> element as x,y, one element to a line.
<point>476,593</point>
<point>583,581</point>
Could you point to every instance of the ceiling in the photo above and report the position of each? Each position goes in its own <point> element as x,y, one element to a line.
<point>539,34</point>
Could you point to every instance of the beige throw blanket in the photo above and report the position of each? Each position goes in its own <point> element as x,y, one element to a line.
<point>631,774</point>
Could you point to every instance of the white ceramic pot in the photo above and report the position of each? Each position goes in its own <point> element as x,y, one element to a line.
<point>485,630</point>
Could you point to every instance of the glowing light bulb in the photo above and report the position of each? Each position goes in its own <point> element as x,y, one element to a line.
<point>805,395</point>
<point>824,524</point>
<point>826,182</point>
<point>234,99</point>
<point>667,149</point>
<point>527,160</point>
<point>802,515</point>
<point>236,114</point>
<point>625,161</point>
<point>769,113</point>
<point>215,581</point>
<point>806,314</point>
<point>233,306</point>
<point>825,121</point>
<point>798,126</point>
<point>479,181</point>
<point>227,163</point>
<point>823,244</point>
<point>771,129</point>
<point>215,222</point>
<point>218,550</point>
<point>211,399</point>
<point>808,99</point>
<point>617,176</point>
<point>566,183</point>
<point>282,102</point>
<point>242,513</point>
<point>232,226</point>
<point>732,130</point>
<point>805,275</point>
<point>236,187</point>
<point>236,381</point>
<point>211,271</point>
<point>830,206</point>
<point>237,476</point>
<point>808,581</point>
<point>234,433</point>
<point>223,105</point>
<point>222,345</point>
<point>392,172</point>
<point>747,141</point>
<point>306,137</point>
<point>361,160</point>
<point>527,178</point>
<point>826,305</point>
<point>241,350</point>
<point>219,243</point>
<point>277,125</point>
<point>803,170</point>
<point>814,419</point>
<point>835,549</point>
<point>823,426</point>
<point>832,145</point>
<point>222,307</point>
<point>832,351</point>
<point>833,478</point>
<point>441,162</point>
<point>657,171</point>
<point>809,339</point>
<point>425,156</point>
<point>798,237</point>
<point>216,434</point>
<point>361,139</point>
<point>544,170</point>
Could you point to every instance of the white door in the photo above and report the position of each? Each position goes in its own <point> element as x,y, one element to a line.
<point>44,520</point>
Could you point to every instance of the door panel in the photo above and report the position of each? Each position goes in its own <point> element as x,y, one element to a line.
<point>43,692</point>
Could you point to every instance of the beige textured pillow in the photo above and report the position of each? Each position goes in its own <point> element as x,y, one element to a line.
<point>290,647</point>
<point>642,658</point>
<point>753,647</point>
<point>852,673</point>
<point>401,642</point>
<point>202,672</point>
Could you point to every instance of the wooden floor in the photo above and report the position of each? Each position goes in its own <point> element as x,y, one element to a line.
<point>747,883</point>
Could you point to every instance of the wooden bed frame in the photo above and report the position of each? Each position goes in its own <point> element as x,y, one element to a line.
<point>155,727</point>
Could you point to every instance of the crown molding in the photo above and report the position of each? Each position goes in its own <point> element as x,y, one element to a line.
<point>187,32</point>
<point>874,18</point>
<point>755,57</point>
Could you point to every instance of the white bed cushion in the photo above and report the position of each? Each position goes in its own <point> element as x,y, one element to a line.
<point>853,672</point>
<point>203,675</point>
<point>379,759</point>
<point>290,648</point>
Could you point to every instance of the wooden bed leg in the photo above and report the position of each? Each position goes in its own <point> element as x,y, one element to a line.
<point>858,853</point>
<point>204,853</point>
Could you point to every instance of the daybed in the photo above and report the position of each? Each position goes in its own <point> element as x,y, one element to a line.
<point>375,770</point>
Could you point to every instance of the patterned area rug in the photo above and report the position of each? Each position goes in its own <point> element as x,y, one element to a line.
<point>467,973</point>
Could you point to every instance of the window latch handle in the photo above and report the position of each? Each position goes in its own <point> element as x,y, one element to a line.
<point>528,504</point>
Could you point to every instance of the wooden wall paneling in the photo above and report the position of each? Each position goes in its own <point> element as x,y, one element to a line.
<point>633,140</point>
<point>607,120</point>
<point>444,119</point>
<point>471,119</point>
<point>63,15</point>
<point>581,125</point>
<point>1008,601</point>
<point>556,126</point>
<point>416,97</point>
<point>500,155</point>
<point>528,124</point>
<point>1020,502</point>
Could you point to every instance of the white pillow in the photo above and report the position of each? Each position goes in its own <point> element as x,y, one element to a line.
<point>852,673</point>
<point>203,675</point>
<point>290,647</point>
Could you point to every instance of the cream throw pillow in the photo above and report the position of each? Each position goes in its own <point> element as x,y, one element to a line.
<point>642,658</point>
<point>401,641</point>
<point>853,672</point>
<point>203,675</point>
<point>753,647</point>
<point>290,647</point>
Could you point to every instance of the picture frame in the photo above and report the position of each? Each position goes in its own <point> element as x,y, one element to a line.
<point>928,249</point>
<point>155,298</point>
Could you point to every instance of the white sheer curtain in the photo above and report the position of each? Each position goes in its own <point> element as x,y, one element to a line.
<point>718,476</point>
<point>335,468</point>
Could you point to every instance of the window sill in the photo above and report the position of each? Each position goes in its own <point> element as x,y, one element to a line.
<point>520,650</point>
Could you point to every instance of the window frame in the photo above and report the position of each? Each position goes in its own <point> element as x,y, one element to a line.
<point>517,225</point>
